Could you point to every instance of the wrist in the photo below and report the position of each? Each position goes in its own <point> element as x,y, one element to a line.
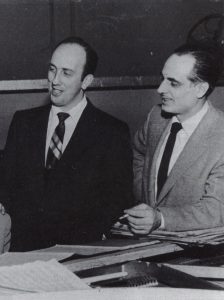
<point>157,219</point>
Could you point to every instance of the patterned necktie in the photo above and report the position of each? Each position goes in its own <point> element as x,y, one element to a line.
<point>55,148</point>
<point>165,161</point>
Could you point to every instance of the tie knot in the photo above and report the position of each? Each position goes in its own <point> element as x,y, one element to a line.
<point>176,126</point>
<point>62,116</point>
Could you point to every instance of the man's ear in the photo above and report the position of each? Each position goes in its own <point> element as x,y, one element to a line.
<point>202,88</point>
<point>87,81</point>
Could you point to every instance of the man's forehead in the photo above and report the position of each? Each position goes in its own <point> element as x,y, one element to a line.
<point>179,66</point>
<point>68,55</point>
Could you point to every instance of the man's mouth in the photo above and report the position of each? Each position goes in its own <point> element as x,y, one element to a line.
<point>165,100</point>
<point>56,92</point>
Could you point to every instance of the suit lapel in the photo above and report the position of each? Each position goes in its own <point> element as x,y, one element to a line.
<point>163,128</point>
<point>194,148</point>
<point>83,135</point>
<point>40,130</point>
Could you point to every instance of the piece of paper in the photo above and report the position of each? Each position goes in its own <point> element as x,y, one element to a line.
<point>18,258</point>
<point>78,249</point>
<point>40,277</point>
<point>95,249</point>
<point>60,252</point>
<point>211,236</point>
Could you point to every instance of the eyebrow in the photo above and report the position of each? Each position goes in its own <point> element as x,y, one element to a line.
<point>173,80</point>
<point>64,69</point>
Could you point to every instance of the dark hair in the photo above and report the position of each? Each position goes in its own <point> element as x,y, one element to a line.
<point>91,55</point>
<point>208,62</point>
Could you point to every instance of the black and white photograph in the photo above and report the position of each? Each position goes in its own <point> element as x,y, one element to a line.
<point>112,149</point>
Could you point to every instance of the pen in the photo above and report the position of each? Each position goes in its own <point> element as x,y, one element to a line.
<point>123,217</point>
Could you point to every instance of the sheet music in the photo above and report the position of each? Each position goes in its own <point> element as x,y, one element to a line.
<point>95,249</point>
<point>39,276</point>
<point>17,258</point>
<point>210,236</point>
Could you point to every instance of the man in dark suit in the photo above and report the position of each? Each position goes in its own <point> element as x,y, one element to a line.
<point>66,171</point>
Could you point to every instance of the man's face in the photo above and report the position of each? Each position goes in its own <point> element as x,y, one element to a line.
<point>179,95</point>
<point>65,75</point>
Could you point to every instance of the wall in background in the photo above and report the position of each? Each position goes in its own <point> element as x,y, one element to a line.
<point>130,36</point>
<point>130,106</point>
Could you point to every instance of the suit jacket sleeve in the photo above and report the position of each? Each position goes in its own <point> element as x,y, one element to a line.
<point>117,184</point>
<point>202,212</point>
<point>114,190</point>
<point>139,156</point>
<point>8,163</point>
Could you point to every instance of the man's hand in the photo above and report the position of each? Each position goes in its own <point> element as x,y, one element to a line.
<point>2,209</point>
<point>143,219</point>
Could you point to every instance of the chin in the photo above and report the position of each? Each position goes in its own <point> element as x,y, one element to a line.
<point>167,108</point>
<point>56,101</point>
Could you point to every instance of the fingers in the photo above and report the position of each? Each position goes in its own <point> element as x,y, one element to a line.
<point>2,209</point>
<point>140,218</point>
<point>139,211</point>
<point>140,231</point>
<point>144,221</point>
<point>141,206</point>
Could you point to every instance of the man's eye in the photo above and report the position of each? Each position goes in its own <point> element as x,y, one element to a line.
<point>174,84</point>
<point>51,69</point>
<point>67,73</point>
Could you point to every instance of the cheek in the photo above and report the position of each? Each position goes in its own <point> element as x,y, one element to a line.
<point>182,97</point>
<point>73,85</point>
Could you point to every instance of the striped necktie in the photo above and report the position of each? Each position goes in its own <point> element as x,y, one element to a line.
<point>55,148</point>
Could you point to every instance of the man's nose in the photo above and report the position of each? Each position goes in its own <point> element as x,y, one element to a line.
<point>161,88</point>
<point>56,78</point>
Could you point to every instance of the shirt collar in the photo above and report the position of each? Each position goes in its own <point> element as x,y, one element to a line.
<point>72,112</point>
<point>190,124</point>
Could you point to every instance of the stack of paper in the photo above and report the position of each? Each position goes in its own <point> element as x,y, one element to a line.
<point>39,276</point>
<point>213,236</point>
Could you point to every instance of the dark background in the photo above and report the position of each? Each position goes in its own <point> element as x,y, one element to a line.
<point>132,37</point>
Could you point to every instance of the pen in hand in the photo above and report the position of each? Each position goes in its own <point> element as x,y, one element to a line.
<point>123,217</point>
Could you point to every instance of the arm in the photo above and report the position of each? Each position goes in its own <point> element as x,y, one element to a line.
<point>195,213</point>
<point>7,165</point>
<point>118,182</point>
<point>205,212</point>
<point>111,180</point>
<point>139,152</point>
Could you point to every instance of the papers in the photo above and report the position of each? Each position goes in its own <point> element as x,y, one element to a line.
<point>89,250</point>
<point>79,249</point>
<point>61,252</point>
<point>17,258</point>
<point>213,236</point>
<point>39,277</point>
<point>200,271</point>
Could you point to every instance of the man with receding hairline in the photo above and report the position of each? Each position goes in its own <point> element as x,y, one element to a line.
<point>67,167</point>
<point>179,152</point>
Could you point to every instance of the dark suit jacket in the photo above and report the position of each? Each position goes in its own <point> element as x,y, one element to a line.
<point>79,200</point>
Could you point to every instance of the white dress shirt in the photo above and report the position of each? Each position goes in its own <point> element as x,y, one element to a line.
<point>188,127</point>
<point>70,123</point>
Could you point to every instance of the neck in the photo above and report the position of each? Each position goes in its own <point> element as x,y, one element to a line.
<point>74,102</point>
